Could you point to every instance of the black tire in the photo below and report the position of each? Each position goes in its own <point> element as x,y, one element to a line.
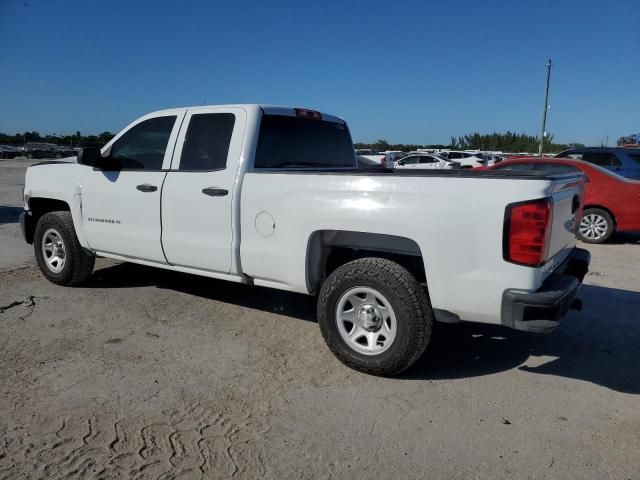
<point>30,156</point>
<point>78,264</point>
<point>610,225</point>
<point>410,304</point>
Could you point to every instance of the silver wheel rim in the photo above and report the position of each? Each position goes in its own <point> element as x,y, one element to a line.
<point>593,226</point>
<point>366,321</point>
<point>53,250</point>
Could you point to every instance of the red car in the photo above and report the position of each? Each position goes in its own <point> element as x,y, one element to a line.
<point>611,202</point>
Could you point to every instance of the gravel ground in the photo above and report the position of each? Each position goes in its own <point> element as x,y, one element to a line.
<point>144,373</point>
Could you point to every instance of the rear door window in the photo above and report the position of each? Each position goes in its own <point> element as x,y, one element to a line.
<point>409,160</point>
<point>206,144</point>
<point>295,142</point>
<point>603,159</point>
<point>427,159</point>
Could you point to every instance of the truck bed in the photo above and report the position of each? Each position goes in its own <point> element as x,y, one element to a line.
<point>455,173</point>
<point>457,226</point>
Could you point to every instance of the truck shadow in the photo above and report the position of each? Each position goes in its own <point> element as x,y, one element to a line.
<point>632,238</point>
<point>125,275</point>
<point>600,345</point>
<point>9,214</point>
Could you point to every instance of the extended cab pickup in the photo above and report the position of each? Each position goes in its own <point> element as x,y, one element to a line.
<point>271,196</point>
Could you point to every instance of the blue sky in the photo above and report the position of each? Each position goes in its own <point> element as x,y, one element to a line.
<point>404,71</point>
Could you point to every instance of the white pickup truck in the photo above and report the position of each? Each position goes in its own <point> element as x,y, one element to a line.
<point>271,196</point>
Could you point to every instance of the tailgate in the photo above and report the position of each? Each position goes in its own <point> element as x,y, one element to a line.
<point>567,194</point>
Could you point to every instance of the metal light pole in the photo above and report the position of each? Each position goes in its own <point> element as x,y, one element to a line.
<point>546,107</point>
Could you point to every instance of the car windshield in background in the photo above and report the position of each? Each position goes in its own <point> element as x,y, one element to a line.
<point>293,142</point>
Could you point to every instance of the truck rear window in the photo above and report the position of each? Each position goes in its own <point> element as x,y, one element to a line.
<point>293,142</point>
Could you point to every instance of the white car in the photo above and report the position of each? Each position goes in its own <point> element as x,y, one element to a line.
<point>392,156</point>
<point>425,161</point>
<point>271,196</point>
<point>465,159</point>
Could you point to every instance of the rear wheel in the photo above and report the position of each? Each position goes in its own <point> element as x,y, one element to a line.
<point>596,226</point>
<point>374,316</point>
<point>60,256</point>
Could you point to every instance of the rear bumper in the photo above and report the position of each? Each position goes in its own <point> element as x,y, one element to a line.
<point>542,310</point>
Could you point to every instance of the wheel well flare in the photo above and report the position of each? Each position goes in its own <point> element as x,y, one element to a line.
<point>329,249</point>
<point>37,208</point>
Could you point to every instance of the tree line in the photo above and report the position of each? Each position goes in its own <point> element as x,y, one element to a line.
<point>68,140</point>
<point>505,142</point>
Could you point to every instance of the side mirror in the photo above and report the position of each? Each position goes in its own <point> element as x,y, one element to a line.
<point>90,156</point>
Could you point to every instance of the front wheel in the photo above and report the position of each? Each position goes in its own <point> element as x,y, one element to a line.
<point>374,316</point>
<point>60,256</point>
<point>596,226</point>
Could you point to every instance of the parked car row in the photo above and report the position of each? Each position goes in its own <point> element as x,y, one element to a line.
<point>47,150</point>
<point>612,192</point>
<point>425,159</point>
<point>466,159</point>
<point>38,150</point>
<point>7,151</point>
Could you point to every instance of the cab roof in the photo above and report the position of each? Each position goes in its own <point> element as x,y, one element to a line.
<point>255,107</point>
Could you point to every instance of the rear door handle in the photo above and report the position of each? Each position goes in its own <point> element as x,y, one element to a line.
<point>145,187</point>
<point>215,192</point>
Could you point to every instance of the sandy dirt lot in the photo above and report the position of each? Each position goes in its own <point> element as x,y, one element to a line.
<point>143,373</point>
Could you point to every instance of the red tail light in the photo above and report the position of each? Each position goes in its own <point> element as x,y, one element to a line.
<point>527,231</point>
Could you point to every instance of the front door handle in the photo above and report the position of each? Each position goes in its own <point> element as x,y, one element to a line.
<point>145,187</point>
<point>215,192</point>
